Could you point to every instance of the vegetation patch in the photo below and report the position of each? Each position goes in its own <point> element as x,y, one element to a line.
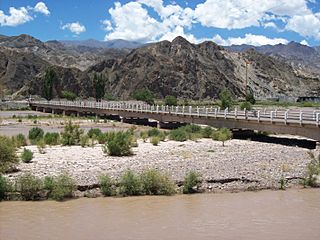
<point>27,155</point>
<point>191,182</point>
<point>8,156</point>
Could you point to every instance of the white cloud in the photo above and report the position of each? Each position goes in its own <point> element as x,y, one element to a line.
<point>306,25</point>
<point>74,27</point>
<point>249,39</point>
<point>42,8</point>
<point>304,42</point>
<point>18,16</point>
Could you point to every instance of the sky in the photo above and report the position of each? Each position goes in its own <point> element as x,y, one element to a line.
<point>226,22</point>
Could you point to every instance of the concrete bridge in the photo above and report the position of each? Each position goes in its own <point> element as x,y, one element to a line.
<point>304,123</point>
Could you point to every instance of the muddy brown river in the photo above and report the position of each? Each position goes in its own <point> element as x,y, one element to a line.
<point>291,214</point>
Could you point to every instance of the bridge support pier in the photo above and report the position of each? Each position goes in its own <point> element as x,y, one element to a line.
<point>318,145</point>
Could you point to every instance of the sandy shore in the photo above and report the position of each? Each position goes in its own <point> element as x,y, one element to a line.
<point>240,165</point>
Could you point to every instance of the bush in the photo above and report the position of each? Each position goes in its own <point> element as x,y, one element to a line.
<point>68,95</point>
<point>207,132</point>
<point>245,105</point>
<point>71,134</point>
<point>41,146</point>
<point>179,135</point>
<point>102,139</point>
<point>20,140</point>
<point>144,95</point>
<point>153,132</point>
<point>222,135</point>
<point>35,134</point>
<point>313,170</point>
<point>106,185</point>
<point>94,132</point>
<point>130,184</point>
<point>171,100</point>
<point>3,187</point>
<point>48,184</point>
<point>191,182</point>
<point>226,99</point>
<point>63,187</point>
<point>27,155</point>
<point>155,141</point>
<point>8,156</point>
<point>29,187</point>
<point>52,139</point>
<point>155,183</point>
<point>84,140</point>
<point>192,128</point>
<point>119,144</point>
<point>144,136</point>
<point>250,98</point>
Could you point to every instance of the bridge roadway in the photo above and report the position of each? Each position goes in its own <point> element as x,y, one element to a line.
<point>304,123</point>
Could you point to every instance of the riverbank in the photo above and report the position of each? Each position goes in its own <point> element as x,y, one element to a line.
<point>239,166</point>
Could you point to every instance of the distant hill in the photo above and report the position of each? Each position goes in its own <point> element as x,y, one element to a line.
<point>118,44</point>
<point>293,53</point>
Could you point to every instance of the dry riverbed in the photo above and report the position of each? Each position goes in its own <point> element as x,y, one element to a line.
<point>240,165</point>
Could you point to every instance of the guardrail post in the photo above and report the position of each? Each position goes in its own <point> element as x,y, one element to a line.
<point>183,107</point>
<point>225,113</point>
<point>157,109</point>
<point>190,110</point>
<point>198,111</point>
<point>286,117</point>
<point>317,119</point>
<point>215,112</point>
<point>301,117</point>
<point>258,115</point>
<point>271,116</point>
<point>235,113</point>
<point>206,112</point>
<point>177,109</point>
<point>245,114</point>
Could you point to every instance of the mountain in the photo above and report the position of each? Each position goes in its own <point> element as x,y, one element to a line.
<point>186,70</point>
<point>117,44</point>
<point>176,68</point>
<point>294,53</point>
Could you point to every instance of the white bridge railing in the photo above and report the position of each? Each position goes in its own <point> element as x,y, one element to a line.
<point>272,115</point>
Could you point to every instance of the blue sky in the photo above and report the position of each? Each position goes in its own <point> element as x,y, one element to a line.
<point>226,22</point>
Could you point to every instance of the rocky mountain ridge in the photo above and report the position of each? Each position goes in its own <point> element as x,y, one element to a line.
<point>176,68</point>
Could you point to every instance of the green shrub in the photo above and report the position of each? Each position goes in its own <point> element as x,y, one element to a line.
<point>192,128</point>
<point>3,187</point>
<point>52,139</point>
<point>130,184</point>
<point>84,140</point>
<point>48,183</point>
<point>222,135</point>
<point>226,99</point>
<point>313,170</point>
<point>63,187</point>
<point>245,105</point>
<point>35,134</point>
<point>119,144</point>
<point>29,187</point>
<point>144,136</point>
<point>102,139</point>
<point>71,134</point>
<point>20,140</point>
<point>155,183</point>
<point>207,132</point>
<point>27,155</point>
<point>94,132</point>
<point>170,100</point>
<point>8,156</point>
<point>68,95</point>
<point>179,135</point>
<point>250,98</point>
<point>41,146</point>
<point>153,132</point>
<point>155,141</point>
<point>106,185</point>
<point>144,95</point>
<point>191,182</point>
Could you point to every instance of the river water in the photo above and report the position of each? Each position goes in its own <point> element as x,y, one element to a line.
<point>291,214</point>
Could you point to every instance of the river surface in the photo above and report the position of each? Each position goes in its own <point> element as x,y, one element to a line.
<point>291,214</point>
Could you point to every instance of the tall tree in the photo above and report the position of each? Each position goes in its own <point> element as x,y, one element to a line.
<point>48,83</point>
<point>99,85</point>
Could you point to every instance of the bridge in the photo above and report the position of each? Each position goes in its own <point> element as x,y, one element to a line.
<point>304,123</point>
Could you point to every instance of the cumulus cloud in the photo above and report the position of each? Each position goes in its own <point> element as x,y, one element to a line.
<point>133,21</point>
<point>18,16</point>
<point>42,8</point>
<point>249,39</point>
<point>75,27</point>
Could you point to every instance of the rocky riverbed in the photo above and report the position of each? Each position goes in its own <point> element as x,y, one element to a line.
<point>240,165</point>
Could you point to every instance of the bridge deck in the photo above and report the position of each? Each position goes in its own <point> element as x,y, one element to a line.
<point>296,122</point>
